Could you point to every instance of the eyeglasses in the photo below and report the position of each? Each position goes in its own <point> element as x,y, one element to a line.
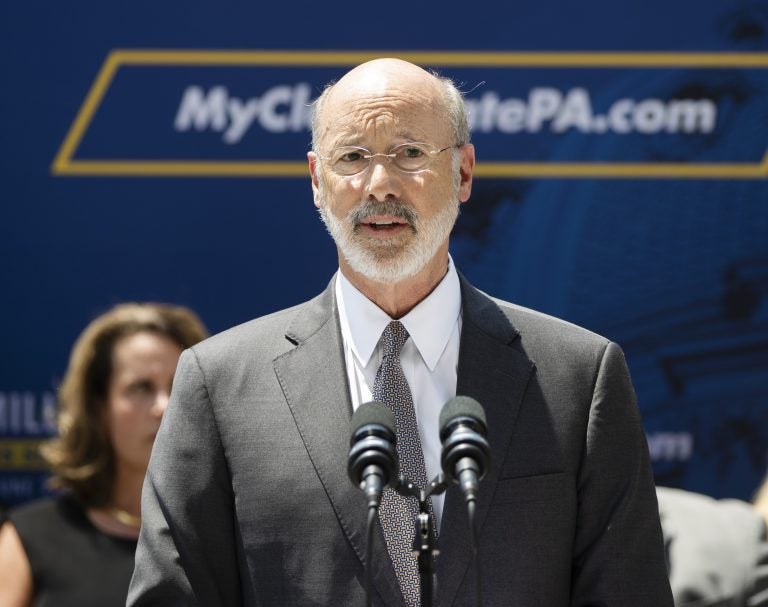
<point>408,157</point>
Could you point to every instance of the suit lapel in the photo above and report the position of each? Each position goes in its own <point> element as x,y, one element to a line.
<point>314,382</point>
<point>492,369</point>
<point>495,372</point>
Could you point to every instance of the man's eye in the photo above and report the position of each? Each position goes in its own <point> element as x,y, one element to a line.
<point>350,157</point>
<point>412,152</point>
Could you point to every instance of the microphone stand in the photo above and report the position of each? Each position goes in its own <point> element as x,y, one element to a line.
<point>424,539</point>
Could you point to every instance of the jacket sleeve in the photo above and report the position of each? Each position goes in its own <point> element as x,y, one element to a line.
<point>187,551</point>
<point>618,551</point>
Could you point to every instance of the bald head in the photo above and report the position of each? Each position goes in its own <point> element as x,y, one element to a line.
<point>380,76</point>
<point>386,80</point>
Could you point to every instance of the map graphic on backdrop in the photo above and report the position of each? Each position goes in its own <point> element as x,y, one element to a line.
<point>623,187</point>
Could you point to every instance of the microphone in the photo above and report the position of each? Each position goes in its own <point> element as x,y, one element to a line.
<point>372,454</point>
<point>466,455</point>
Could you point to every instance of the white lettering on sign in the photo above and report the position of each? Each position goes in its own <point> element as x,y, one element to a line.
<point>286,109</point>
<point>549,109</point>
<point>670,446</point>
<point>28,414</point>
<point>280,109</point>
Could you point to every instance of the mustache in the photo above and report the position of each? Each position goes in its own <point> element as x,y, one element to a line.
<point>395,208</point>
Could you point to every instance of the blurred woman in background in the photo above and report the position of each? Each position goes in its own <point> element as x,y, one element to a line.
<point>78,548</point>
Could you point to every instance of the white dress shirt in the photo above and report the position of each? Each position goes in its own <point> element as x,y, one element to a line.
<point>429,358</point>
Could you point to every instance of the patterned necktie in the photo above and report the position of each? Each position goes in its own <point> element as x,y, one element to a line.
<point>398,513</point>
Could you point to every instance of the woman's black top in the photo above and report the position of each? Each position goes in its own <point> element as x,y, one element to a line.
<point>73,563</point>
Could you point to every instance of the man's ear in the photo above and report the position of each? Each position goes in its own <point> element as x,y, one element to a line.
<point>466,168</point>
<point>314,167</point>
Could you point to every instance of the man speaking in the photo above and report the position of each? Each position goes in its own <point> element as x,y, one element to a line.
<point>247,500</point>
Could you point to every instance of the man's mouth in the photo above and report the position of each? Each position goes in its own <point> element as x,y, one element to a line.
<point>383,224</point>
<point>383,220</point>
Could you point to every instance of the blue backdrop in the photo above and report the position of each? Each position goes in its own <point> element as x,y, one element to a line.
<point>156,151</point>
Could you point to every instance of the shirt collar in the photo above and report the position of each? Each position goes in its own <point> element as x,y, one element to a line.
<point>429,324</point>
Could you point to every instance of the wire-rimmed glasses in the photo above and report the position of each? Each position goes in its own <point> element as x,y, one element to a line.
<point>409,157</point>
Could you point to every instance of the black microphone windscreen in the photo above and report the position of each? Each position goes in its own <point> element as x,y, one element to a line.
<point>461,406</point>
<point>373,413</point>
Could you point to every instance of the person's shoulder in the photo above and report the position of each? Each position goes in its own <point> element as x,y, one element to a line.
<point>542,336</point>
<point>247,331</point>
<point>264,336</point>
<point>527,322</point>
<point>40,507</point>
<point>42,511</point>
<point>716,547</point>
<point>542,323</point>
<point>697,519</point>
<point>689,507</point>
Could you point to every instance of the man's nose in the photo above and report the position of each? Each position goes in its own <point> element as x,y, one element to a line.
<point>382,179</point>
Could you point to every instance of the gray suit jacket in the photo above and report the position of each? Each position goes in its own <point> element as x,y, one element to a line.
<point>247,499</point>
<point>716,549</point>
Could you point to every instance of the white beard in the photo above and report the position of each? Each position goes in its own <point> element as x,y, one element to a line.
<point>389,259</point>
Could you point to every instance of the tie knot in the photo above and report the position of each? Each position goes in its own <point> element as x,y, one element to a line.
<point>393,338</point>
